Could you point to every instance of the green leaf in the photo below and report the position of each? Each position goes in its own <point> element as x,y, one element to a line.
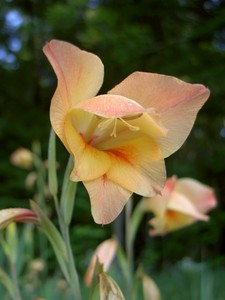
<point>54,238</point>
<point>68,193</point>
<point>7,282</point>
<point>135,219</point>
<point>123,262</point>
<point>52,175</point>
<point>12,241</point>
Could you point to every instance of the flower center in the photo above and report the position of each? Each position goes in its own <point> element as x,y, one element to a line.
<point>105,124</point>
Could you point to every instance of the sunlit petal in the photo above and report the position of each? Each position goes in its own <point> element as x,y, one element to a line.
<point>107,199</point>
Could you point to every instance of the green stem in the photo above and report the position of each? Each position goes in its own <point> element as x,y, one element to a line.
<point>64,212</point>
<point>74,279</point>
<point>135,221</point>
<point>15,281</point>
<point>132,222</point>
<point>128,243</point>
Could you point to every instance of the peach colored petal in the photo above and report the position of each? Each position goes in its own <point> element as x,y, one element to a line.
<point>169,186</point>
<point>138,167</point>
<point>170,97</point>
<point>156,204</point>
<point>156,90</point>
<point>90,163</point>
<point>74,140</point>
<point>105,252</point>
<point>180,126</point>
<point>179,203</point>
<point>58,111</point>
<point>80,76</point>
<point>150,124</point>
<point>107,199</point>
<point>171,221</point>
<point>110,106</point>
<point>200,195</point>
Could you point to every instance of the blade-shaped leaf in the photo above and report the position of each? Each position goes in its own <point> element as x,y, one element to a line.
<point>54,238</point>
<point>52,175</point>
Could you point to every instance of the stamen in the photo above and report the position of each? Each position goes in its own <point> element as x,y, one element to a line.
<point>114,129</point>
<point>131,127</point>
<point>132,117</point>
<point>104,124</point>
<point>108,122</point>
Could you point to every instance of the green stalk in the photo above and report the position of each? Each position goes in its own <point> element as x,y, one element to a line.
<point>64,228</point>
<point>15,281</point>
<point>64,212</point>
<point>74,279</point>
<point>132,222</point>
<point>128,244</point>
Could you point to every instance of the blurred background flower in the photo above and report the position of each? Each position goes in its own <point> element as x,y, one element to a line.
<point>183,202</point>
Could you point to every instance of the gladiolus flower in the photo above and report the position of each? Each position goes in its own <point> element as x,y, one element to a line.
<point>104,254</point>
<point>10,215</point>
<point>119,140</point>
<point>183,202</point>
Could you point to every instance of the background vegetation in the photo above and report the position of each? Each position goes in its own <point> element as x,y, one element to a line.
<point>183,38</point>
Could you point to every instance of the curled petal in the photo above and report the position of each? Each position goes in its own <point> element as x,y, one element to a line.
<point>10,215</point>
<point>80,76</point>
<point>176,101</point>
<point>107,199</point>
<point>110,106</point>
<point>180,203</point>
